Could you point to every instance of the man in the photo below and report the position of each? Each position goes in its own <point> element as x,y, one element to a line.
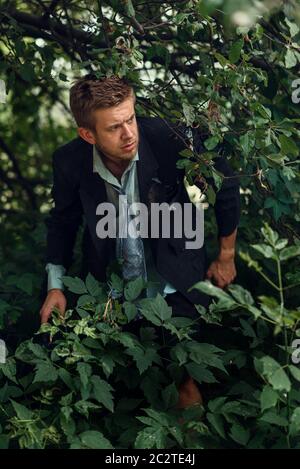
<point>116,154</point>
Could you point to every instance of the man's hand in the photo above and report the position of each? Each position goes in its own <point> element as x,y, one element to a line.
<point>55,298</point>
<point>222,270</point>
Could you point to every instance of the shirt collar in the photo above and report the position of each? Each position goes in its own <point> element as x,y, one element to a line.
<point>100,168</point>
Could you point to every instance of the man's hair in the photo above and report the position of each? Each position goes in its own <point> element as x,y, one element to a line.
<point>90,93</point>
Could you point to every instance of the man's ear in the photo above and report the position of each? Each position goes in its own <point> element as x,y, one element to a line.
<point>86,134</point>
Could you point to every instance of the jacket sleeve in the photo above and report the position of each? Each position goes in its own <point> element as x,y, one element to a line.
<point>227,204</point>
<point>66,215</point>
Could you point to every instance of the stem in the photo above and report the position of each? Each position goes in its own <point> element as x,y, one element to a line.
<point>291,286</point>
<point>285,340</point>
<point>269,280</point>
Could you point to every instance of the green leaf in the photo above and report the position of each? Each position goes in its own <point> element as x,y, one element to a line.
<point>235,51</point>
<point>189,114</point>
<point>103,392</point>
<point>129,8</point>
<point>85,300</point>
<point>75,285</point>
<point>247,142</point>
<point>67,399</point>
<point>66,421</point>
<point>206,353</point>
<point>218,179</point>
<point>288,146</point>
<point>92,285</point>
<point>210,195</point>
<point>275,374</point>
<point>37,350</point>
<point>27,72</point>
<point>95,440</point>
<point>151,437</point>
<point>117,283</point>
<point>45,373</point>
<point>268,398</point>
<point>200,373</point>
<point>9,369</point>
<point>161,417</point>
<point>290,59</point>
<point>130,310</point>
<point>217,423</point>
<point>180,354</point>
<point>267,251</point>
<point>155,310</point>
<point>108,364</point>
<point>241,295</point>
<point>170,396</point>
<point>22,412</point>
<point>66,378</point>
<point>240,434</point>
<point>265,112</point>
<point>211,142</point>
<point>221,59</point>
<point>295,372</point>
<point>85,372</point>
<point>211,290</point>
<point>295,422</point>
<point>274,419</point>
<point>29,352</point>
<point>215,405</point>
<point>289,252</point>
<point>133,289</point>
<point>187,153</point>
<point>83,407</point>
<point>293,27</point>
<point>143,357</point>
<point>226,302</point>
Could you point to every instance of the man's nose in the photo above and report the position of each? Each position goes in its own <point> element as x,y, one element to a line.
<point>127,132</point>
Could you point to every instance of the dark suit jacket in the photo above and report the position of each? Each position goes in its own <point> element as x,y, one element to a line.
<point>77,191</point>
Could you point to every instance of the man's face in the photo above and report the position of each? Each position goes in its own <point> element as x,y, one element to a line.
<point>116,131</point>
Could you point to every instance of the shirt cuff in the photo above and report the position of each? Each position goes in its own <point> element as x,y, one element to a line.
<point>55,272</point>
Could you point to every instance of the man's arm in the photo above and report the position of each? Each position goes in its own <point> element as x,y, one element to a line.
<point>66,215</point>
<point>227,210</point>
<point>168,140</point>
<point>222,269</point>
<point>63,223</point>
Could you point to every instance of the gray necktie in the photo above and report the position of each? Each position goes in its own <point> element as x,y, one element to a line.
<point>130,249</point>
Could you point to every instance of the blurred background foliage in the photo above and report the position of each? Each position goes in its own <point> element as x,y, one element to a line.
<point>225,66</point>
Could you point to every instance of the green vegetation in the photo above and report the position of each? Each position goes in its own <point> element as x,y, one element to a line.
<point>231,71</point>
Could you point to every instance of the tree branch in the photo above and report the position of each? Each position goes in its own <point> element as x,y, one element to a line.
<point>22,181</point>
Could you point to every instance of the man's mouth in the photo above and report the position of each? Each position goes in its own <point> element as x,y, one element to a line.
<point>129,146</point>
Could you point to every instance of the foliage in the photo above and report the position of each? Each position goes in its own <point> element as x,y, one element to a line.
<point>232,71</point>
<point>97,385</point>
<point>103,382</point>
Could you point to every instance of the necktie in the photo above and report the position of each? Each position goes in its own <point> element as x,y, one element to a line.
<point>129,245</point>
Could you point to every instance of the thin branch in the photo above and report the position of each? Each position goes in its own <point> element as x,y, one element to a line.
<point>20,178</point>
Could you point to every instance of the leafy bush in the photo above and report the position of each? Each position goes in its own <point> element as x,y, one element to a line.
<point>197,63</point>
<point>102,381</point>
